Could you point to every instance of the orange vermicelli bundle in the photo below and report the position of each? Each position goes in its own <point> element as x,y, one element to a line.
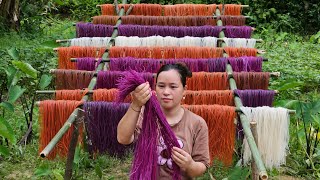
<point>189,10</point>
<point>52,116</point>
<point>108,95</point>
<point>228,20</point>
<point>72,79</point>
<point>221,97</point>
<point>221,128</point>
<point>252,80</point>
<point>157,20</point>
<point>238,52</point>
<point>105,19</point>
<point>165,52</point>
<point>107,9</point>
<point>208,81</point>
<point>65,53</point>
<point>232,9</point>
<point>75,95</point>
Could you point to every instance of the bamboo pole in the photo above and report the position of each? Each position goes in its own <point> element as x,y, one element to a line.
<point>243,6</point>
<point>254,174</point>
<point>215,17</point>
<point>244,120</point>
<point>259,51</point>
<point>230,75</point>
<point>74,114</point>
<point>108,59</point>
<point>238,110</point>
<point>219,39</point>
<point>72,148</point>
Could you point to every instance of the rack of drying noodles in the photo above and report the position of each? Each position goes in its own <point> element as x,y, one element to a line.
<point>228,87</point>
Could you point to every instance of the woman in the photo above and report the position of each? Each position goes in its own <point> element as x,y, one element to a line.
<point>190,129</point>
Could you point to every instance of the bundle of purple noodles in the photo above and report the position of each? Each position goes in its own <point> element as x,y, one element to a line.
<point>145,155</point>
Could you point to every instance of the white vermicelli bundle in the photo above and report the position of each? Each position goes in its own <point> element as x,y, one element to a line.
<point>273,134</point>
<point>90,41</point>
<point>240,42</point>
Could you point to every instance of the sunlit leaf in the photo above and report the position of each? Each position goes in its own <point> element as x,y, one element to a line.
<point>14,53</point>
<point>26,68</point>
<point>14,93</point>
<point>45,80</point>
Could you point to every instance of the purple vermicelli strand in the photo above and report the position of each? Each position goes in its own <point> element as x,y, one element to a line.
<point>145,157</point>
<point>238,31</point>
<point>101,120</point>
<point>93,30</point>
<point>256,98</point>
<point>175,31</point>
<point>217,64</point>
<point>246,63</point>
<point>136,64</point>
<point>86,63</point>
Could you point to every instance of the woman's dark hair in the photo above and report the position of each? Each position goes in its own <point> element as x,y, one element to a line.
<point>182,69</point>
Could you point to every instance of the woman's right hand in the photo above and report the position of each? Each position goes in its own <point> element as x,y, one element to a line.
<point>141,95</point>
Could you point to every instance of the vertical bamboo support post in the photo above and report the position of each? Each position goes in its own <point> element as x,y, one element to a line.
<point>255,174</point>
<point>72,146</point>
<point>91,86</point>
<point>244,120</point>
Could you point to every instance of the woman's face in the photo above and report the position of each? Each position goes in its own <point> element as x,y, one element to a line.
<point>169,89</point>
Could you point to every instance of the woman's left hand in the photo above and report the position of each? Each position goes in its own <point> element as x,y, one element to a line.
<point>181,158</point>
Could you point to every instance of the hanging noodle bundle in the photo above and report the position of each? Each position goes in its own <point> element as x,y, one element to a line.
<point>75,95</point>
<point>138,9</point>
<point>221,97</point>
<point>108,95</point>
<point>166,52</point>
<point>93,30</point>
<point>139,65</point>
<point>72,79</point>
<point>232,20</point>
<point>238,31</point>
<point>87,63</point>
<point>90,41</point>
<point>52,116</point>
<point>65,53</point>
<point>232,9</point>
<point>157,20</point>
<point>208,81</point>
<point>221,128</point>
<point>154,125</point>
<point>175,31</point>
<point>273,134</point>
<point>240,42</point>
<point>101,120</point>
<point>238,52</point>
<point>255,98</point>
<point>246,63</point>
<point>189,9</point>
<point>252,80</point>
<point>153,65</point>
<point>108,79</point>
<point>160,41</point>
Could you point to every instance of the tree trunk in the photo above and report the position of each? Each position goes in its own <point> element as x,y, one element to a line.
<point>9,11</point>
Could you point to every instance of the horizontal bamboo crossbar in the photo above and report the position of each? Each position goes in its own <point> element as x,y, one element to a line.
<point>230,75</point>
<point>108,59</point>
<point>259,51</point>
<point>243,6</point>
<point>219,39</point>
<point>91,91</point>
